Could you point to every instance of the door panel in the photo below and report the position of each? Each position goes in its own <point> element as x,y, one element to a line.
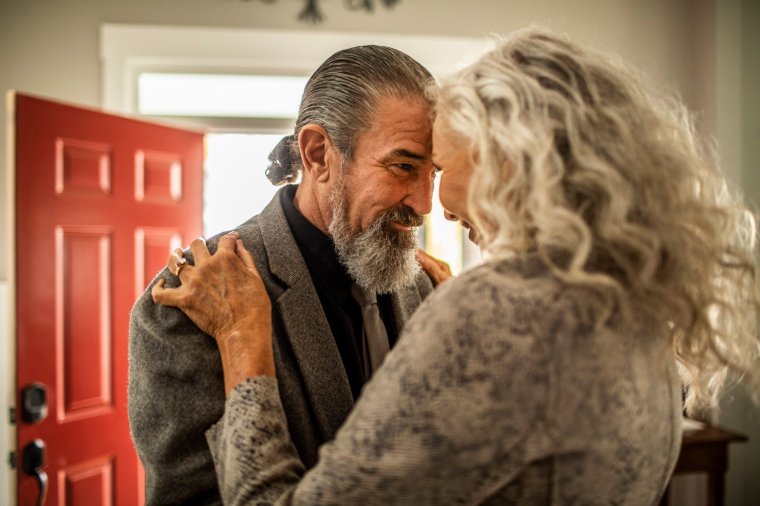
<point>100,201</point>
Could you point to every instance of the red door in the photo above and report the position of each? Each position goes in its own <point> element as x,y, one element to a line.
<point>100,201</point>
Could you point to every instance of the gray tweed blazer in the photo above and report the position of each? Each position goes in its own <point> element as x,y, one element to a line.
<point>176,387</point>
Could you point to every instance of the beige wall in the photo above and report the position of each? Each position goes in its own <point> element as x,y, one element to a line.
<point>706,49</point>
<point>739,126</point>
<point>51,47</point>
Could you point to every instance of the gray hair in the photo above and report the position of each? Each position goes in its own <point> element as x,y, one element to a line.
<point>341,97</point>
<point>577,159</point>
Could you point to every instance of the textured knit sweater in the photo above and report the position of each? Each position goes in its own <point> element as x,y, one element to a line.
<point>502,390</point>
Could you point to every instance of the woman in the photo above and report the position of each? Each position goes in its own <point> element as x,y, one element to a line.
<point>618,269</point>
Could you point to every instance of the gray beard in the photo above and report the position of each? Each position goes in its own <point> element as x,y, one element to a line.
<point>380,258</point>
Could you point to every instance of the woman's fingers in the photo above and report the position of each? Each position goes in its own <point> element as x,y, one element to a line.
<point>200,250</point>
<point>176,262</point>
<point>220,292</point>
<point>438,270</point>
<point>227,241</point>
<point>244,255</point>
<point>163,295</point>
<point>233,242</point>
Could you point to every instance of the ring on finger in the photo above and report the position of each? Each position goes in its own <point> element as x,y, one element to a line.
<point>180,264</point>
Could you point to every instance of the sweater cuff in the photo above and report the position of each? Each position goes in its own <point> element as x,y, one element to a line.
<point>260,392</point>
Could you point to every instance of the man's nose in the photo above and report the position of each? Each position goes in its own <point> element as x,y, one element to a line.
<point>420,195</point>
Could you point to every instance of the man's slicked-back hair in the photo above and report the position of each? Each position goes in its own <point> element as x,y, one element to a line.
<point>343,92</point>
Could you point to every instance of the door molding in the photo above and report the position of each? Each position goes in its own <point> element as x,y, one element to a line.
<point>128,50</point>
<point>7,399</point>
<point>7,317</point>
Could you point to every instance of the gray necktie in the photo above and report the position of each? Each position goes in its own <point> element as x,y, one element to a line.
<point>375,339</point>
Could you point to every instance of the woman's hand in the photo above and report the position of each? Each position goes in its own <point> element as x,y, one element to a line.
<point>224,296</point>
<point>437,270</point>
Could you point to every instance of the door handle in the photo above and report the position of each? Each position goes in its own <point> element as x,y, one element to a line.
<point>32,461</point>
<point>34,407</point>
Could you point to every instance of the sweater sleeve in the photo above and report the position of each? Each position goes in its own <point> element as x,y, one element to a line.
<point>455,413</point>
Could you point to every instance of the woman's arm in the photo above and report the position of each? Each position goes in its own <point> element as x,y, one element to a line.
<point>449,418</point>
<point>224,296</point>
<point>445,420</point>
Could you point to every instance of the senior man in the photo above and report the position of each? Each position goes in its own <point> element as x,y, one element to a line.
<point>347,232</point>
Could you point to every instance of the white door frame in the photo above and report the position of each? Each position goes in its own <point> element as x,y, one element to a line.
<point>8,320</point>
<point>128,50</point>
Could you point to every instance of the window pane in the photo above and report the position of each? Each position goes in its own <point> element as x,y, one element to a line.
<point>239,96</point>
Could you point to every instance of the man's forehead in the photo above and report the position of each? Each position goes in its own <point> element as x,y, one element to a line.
<point>392,109</point>
<point>400,128</point>
<point>413,147</point>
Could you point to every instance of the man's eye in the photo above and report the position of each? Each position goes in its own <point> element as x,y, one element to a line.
<point>406,167</point>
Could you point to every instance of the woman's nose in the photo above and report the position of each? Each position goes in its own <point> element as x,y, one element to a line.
<point>450,216</point>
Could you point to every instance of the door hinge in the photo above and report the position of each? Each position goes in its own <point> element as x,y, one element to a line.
<point>12,456</point>
<point>12,416</point>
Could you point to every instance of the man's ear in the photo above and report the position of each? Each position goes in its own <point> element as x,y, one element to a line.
<point>317,152</point>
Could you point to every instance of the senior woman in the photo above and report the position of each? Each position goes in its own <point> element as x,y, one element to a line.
<point>618,269</point>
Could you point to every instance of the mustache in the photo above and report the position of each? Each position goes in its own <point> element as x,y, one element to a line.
<point>404,215</point>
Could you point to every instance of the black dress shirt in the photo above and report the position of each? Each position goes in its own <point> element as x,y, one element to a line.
<point>333,286</point>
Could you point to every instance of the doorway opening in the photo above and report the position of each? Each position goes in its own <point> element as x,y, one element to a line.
<point>235,187</point>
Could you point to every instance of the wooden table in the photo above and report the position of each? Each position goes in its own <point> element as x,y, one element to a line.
<point>706,451</point>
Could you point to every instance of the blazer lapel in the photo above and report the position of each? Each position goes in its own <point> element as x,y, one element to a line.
<point>308,331</point>
<point>404,302</point>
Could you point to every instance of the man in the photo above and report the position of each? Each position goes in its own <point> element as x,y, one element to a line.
<point>362,147</point>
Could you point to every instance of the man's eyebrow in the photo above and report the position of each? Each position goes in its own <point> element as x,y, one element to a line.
<point>405,153</point>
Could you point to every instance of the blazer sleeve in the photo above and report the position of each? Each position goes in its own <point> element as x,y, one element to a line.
<point>446,420</point>
<point>176,392</point>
